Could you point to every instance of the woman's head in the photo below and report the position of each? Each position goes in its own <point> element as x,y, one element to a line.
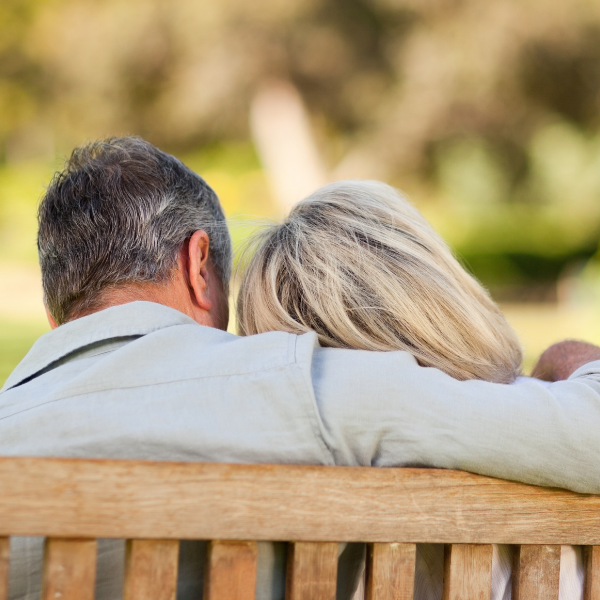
<point>360,266</point>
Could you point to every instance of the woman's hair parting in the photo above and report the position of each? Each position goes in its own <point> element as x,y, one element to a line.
<point>356,263</point>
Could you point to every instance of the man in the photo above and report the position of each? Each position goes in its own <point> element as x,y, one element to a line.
<point>136,259</point>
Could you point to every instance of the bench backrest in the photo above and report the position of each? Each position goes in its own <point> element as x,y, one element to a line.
<point>154,505</point>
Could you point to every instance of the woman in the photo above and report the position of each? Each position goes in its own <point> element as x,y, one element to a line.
<point>360,266</point>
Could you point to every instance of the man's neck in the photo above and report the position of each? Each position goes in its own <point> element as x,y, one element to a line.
<point>165,294</point>
<point>204,299</point>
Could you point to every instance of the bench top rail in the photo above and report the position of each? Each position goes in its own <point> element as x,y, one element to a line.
<point>151,500</point>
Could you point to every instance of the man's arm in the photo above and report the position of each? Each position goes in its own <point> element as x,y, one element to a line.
<point>562,359</point>
<point>383,409</point>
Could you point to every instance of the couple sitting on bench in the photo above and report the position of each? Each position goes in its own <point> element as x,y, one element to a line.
<point>364,343</point>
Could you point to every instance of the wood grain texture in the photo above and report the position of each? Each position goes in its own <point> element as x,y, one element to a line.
<point>151,570</point>
<point>390,571</point>
<point>69,569</point>
<point>312,571</point>
<point>536,572</point>
<point>4,558</point>
<point>467,572</point>
<point>139,500</point>
<point>591,558</point>
<point>230,571</point>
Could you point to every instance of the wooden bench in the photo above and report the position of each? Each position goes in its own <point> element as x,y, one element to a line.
<point>154,505</point>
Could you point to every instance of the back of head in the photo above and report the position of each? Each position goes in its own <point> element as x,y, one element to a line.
<point>118,215</point>
<point>359,265</point>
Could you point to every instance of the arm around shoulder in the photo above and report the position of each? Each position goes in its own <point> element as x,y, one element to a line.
<point>383,409</point>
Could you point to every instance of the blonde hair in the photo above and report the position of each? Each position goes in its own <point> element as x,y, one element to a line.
<point>360,266</point>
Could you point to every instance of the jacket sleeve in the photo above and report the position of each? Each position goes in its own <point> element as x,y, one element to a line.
<point>383,409</point>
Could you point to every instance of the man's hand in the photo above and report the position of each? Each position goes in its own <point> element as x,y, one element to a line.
<point>563,358</point>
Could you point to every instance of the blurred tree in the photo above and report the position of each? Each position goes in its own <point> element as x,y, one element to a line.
<point>391,77</point>
<point>489,109</point>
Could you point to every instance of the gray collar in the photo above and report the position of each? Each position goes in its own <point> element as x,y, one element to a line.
<point>124,321</point>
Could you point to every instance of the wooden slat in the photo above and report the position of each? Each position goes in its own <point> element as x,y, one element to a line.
<point>536,572</point>
<point>69,569</point>
<point>230,571</point>
<point>151,570</point>
<point>4,557</point>
<point>467,572</point>
<point>129,499</point>
<point>312,571</point>
<point>591,559</point>
<point>390,571</point>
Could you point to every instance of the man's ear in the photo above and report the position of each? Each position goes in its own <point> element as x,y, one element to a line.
<point>197,271</point>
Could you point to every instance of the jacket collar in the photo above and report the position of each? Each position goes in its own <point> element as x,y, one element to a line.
<point>132,319</point>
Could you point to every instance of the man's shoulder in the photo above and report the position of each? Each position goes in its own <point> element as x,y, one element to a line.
<point>178,392</point>
<point>192,351</point>
<point>143,344</point>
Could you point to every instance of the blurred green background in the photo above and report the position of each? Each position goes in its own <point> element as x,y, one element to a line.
<point>486,114</point>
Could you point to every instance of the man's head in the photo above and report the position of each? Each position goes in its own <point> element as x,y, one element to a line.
<point>125,221</point>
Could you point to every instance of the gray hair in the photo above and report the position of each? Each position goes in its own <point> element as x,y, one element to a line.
<point>360,266</point>
<point>118,214</point>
